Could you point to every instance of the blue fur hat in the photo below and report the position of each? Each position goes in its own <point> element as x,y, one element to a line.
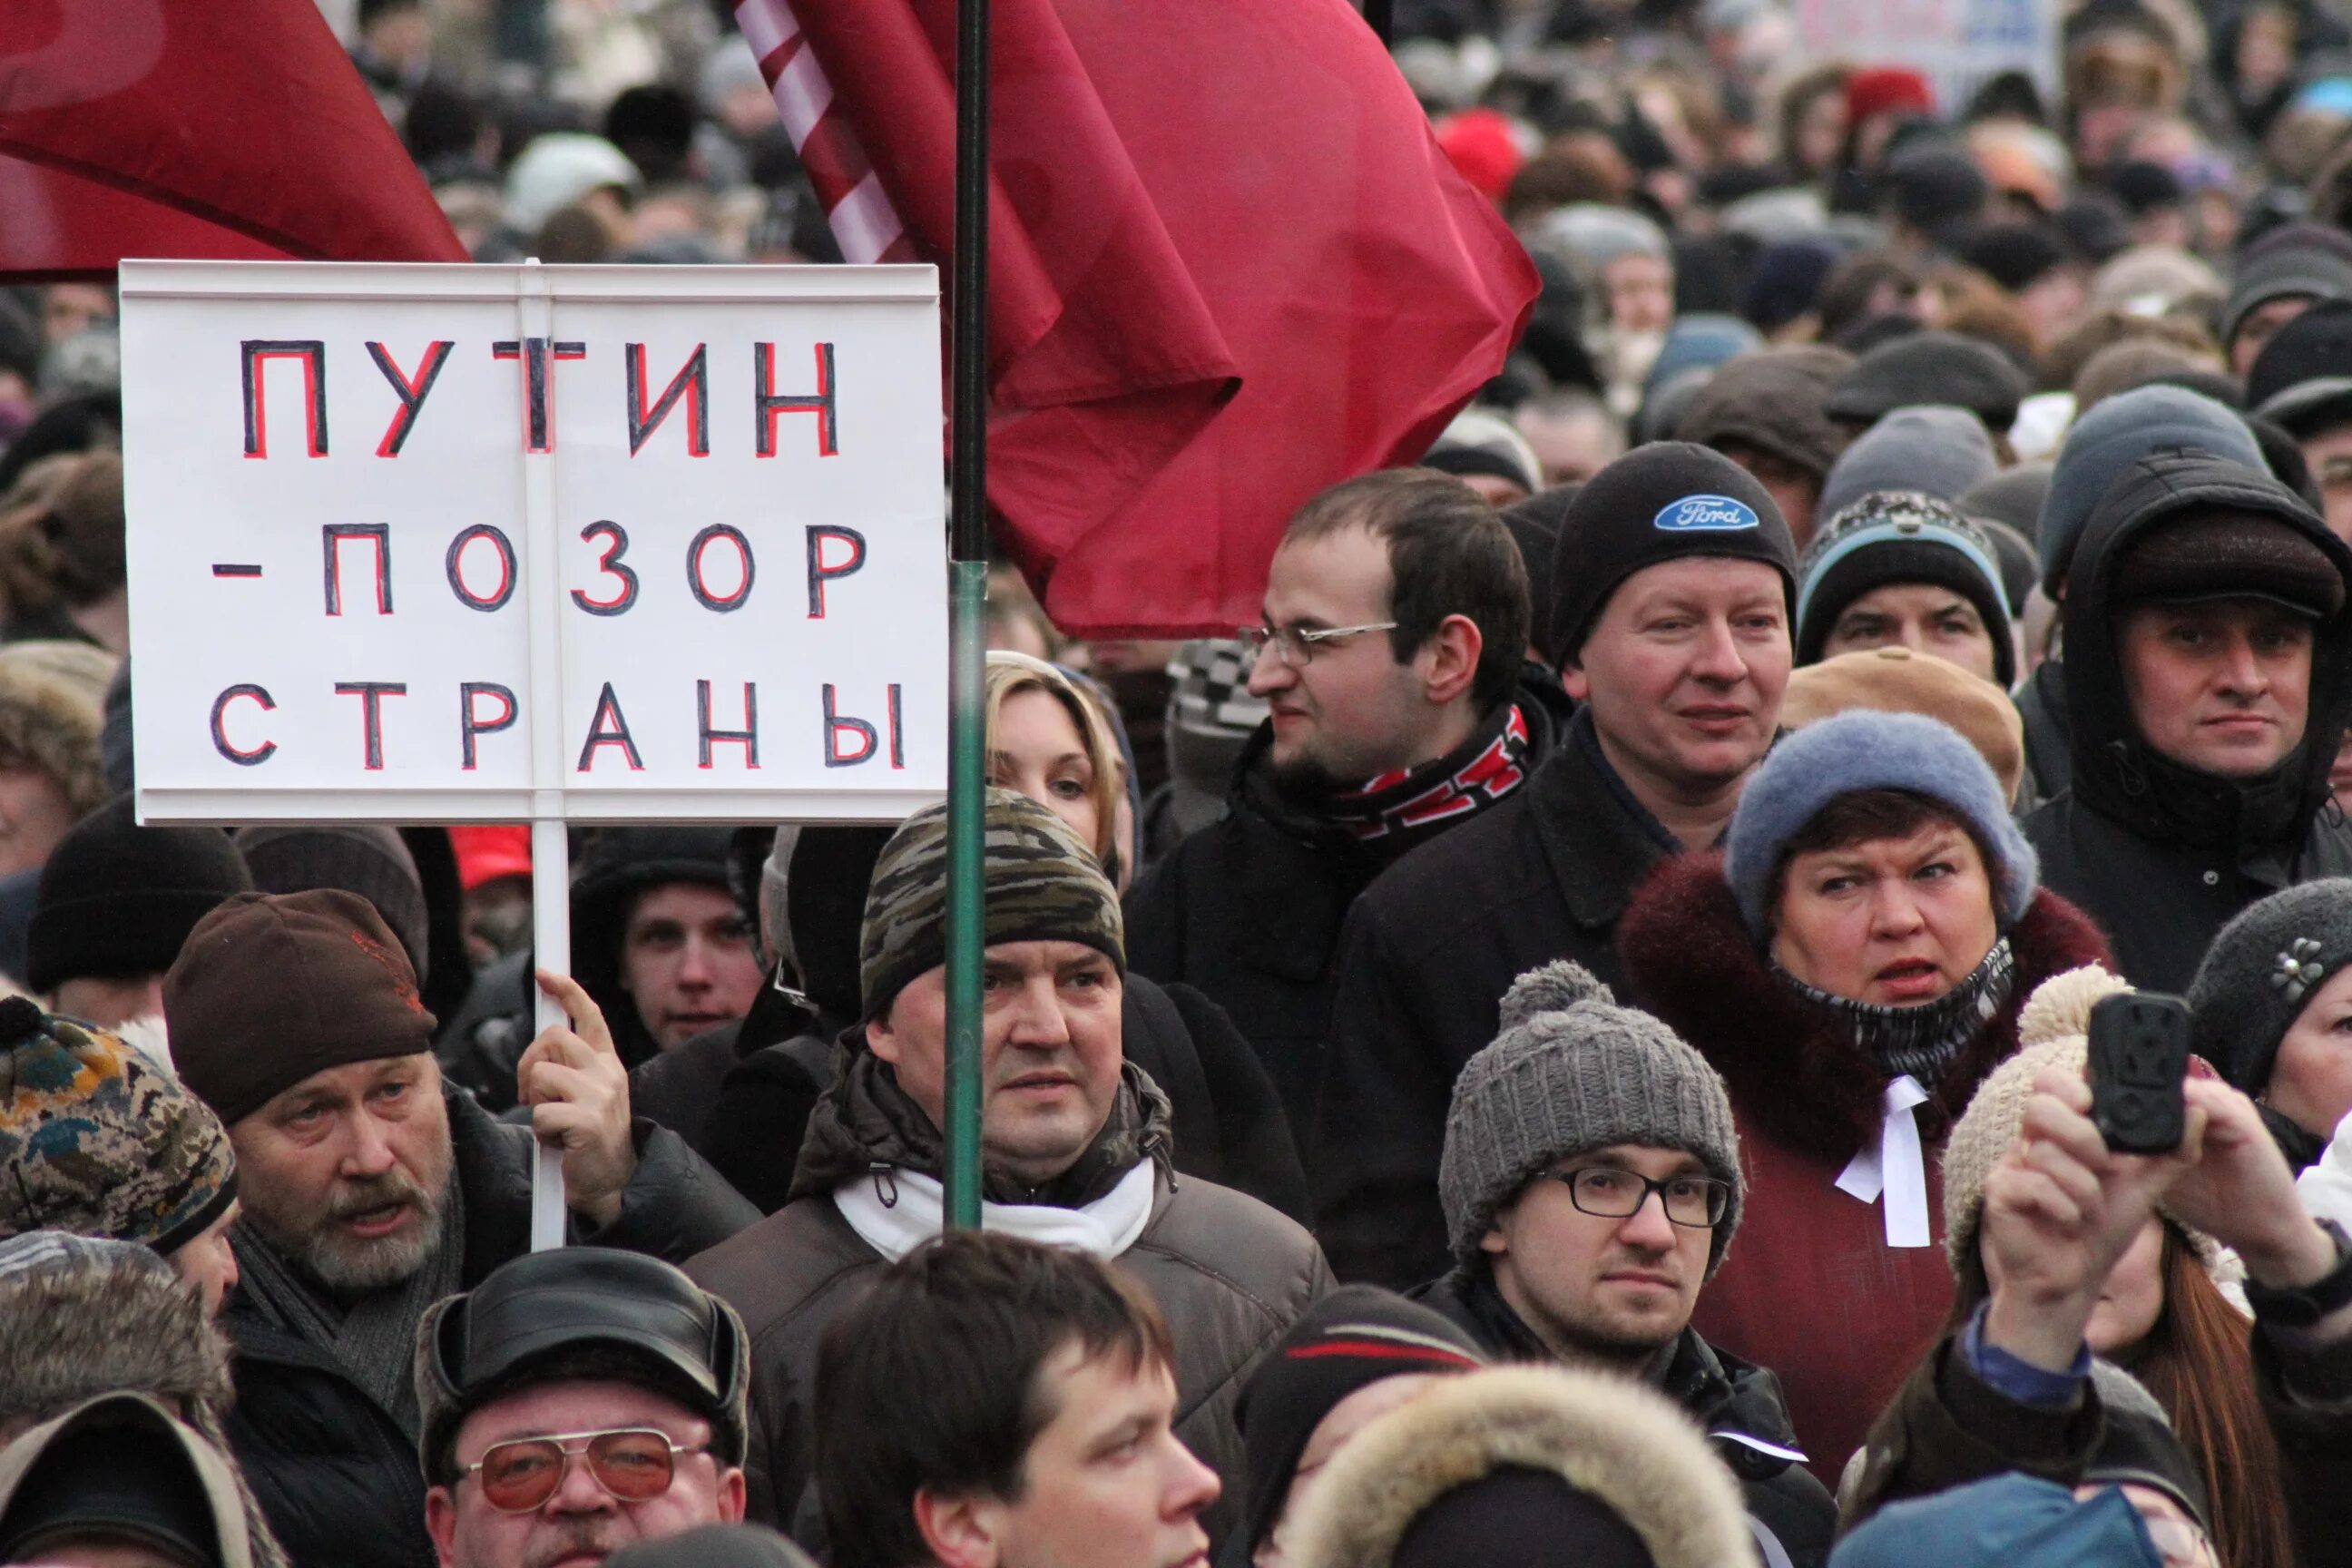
<point>1863,750</point>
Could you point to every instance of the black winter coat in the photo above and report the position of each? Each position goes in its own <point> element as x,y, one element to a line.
<point>1228,1126</point>
<point>1739,1405</point>
<point>2160,854</point>
<point>1249,908</point>
<point>335,1475</point>
<point>1428,952</point>
<point>2041,704</point>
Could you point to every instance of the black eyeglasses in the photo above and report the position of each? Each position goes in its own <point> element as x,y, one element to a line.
<point>1605,1192</point>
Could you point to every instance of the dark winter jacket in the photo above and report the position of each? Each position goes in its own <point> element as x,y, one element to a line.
<point>1228,1126</point>
<point>1948,1427</point>
<point>1249,908</point>
<point>2041,704</point>
<point>1738,1403</point>
<point>681,1088</point>
<point>2160,855</point>
<point>335,1474</point>
<point>1810,1286</point>
<point>1229,1273</point>
<point>1429,950</point>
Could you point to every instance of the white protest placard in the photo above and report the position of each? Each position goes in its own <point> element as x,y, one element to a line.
<point>1958,45</point>
<point>419,543</point>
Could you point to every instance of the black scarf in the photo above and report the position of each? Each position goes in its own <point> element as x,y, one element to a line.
<point>1404,808</point>
<point>864,1122</point>
<point>1925,1040</point>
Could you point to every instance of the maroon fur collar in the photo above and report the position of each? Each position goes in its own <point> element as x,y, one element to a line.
<point>1688,959</point>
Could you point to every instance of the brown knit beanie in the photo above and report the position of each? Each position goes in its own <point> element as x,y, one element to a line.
<point>273,987</point>
<point>1897,680</point>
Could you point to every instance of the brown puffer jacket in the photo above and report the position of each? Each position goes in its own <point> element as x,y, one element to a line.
<point>1230,1274</point>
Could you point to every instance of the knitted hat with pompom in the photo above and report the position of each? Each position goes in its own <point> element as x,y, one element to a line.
<point>1573,1071</point>
<point>2053,1031</point>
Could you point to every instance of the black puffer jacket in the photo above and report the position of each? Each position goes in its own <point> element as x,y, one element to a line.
<point>335,1474</point>
<point>1738,1403</point>
<point>2160,855</point>
<point>1249,909</point>
<point>1430,949</point>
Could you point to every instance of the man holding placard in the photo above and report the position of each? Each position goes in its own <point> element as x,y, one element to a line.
<point>370,1191</point>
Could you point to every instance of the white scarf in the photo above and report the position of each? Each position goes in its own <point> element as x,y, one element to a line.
<point>1105,1228</point>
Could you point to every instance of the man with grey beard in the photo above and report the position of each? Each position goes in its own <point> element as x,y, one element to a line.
<point>372,1189</point>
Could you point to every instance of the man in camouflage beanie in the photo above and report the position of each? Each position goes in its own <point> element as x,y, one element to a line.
<point>1042,885</point>
<point>97,1139</point>
<point>1075,1147</point>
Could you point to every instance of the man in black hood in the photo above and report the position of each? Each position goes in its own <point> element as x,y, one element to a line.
<point>2206,673</point>
<point>1396,616</point>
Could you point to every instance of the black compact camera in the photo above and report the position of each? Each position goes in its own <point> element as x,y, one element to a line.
<point>2139,1060</point>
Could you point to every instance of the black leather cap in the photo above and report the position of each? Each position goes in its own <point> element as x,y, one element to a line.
<point>581,1312</point>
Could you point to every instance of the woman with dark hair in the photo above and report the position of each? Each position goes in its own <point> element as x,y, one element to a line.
<point>1852,965</point>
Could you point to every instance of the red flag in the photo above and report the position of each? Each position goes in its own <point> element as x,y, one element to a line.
<point>1228,266</point>
<point>156,127</point>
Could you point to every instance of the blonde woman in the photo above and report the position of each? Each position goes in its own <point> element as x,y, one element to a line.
<point>1049,738</point>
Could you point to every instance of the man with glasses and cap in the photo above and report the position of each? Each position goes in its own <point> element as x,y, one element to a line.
<point>1390,659</point>
<point>1559,1135</point>
<point>575,1403</point>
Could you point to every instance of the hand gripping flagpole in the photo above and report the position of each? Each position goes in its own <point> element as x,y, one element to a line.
<point>968,569</point>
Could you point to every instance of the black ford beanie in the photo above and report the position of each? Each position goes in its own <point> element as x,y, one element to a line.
<point>1658,503</point>
<point>1352,1337</point>
<point>117,899</point>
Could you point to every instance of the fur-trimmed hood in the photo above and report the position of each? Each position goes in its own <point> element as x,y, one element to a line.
<point>1609,1437</point>
<point>1689,959</point>
<point>123,1323</point>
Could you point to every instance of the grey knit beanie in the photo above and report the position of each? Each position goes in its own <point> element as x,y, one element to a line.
<point>1940,451</point>
<point>1863,750</point>
<point>2260,973</point>
<point>1572,1070</point>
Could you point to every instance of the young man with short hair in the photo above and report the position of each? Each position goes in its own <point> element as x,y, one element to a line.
<point>1591,1186</point>
<point>996,1402</point>
<point>1672,586</point>
<point>1391,658</point>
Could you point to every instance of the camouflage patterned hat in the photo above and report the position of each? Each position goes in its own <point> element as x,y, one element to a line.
<point>97,1139</point>
<point>1042,886</point>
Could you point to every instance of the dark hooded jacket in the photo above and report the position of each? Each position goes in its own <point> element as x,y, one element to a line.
<point>2160,855</point>
<point>1429,950</point>
<point>1249,909</point>
<point>1230,1274</point>
<point>335,1472</point>
<point>1738,1404</point>
<point>1811,1289</point>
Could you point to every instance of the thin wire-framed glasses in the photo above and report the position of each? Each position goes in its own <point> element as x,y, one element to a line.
<point>1295,645</point>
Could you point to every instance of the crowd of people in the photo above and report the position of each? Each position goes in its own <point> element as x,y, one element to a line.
<point>1570,1039</point>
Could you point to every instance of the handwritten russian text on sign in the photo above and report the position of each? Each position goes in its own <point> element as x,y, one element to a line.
<point>496,542</point>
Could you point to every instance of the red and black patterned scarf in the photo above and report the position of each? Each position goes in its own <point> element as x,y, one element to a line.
<point>1402,809</point>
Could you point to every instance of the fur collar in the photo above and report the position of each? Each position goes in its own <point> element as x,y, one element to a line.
<point>1689,959</point>
<point>1608,1437</point>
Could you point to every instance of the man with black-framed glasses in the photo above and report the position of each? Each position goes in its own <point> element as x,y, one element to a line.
<point>1591,1186</point>
<point>1389,655</point>
<point>577,1402</point>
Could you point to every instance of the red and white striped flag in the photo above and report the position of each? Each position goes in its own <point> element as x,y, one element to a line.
<point>1228,266</point>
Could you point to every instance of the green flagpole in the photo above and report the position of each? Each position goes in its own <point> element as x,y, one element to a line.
<point>968,613</point>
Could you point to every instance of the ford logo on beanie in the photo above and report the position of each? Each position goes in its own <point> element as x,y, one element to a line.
<point>1707,515</point>
<point>1657,503</point>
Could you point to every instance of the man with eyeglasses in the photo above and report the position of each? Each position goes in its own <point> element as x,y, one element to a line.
<point>1390,661</point>
<point>577,1402</point>
<point>1591,1186</point>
